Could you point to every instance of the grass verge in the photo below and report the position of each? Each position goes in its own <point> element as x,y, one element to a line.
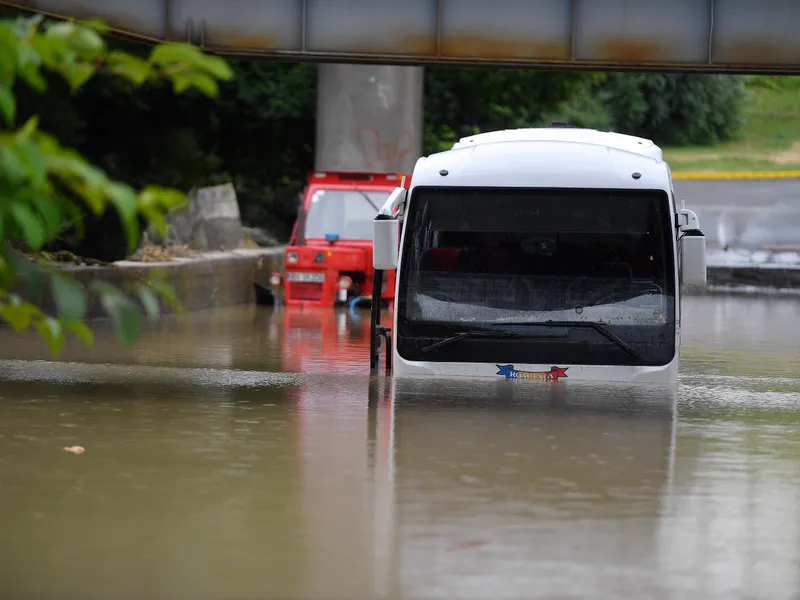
<point>769,141</point>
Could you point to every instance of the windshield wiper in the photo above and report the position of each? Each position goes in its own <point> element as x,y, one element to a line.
<point>367,198</point>
<point>493,334</point>
<point>599,328</point>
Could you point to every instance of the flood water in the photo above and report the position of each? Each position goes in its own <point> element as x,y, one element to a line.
<point>244,453</point>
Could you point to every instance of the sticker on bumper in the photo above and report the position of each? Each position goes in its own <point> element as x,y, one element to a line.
<point>554,374</point>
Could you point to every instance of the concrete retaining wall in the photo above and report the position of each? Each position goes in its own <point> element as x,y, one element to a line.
<point>755,276</point>
<point>749,280</point>
<point>211,280</point>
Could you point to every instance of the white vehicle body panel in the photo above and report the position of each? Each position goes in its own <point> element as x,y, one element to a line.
<point>546,158</point>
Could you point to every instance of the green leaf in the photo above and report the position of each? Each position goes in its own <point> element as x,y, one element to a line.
<point>29,155</point>
<point>53,53</point>
<point>50,329</point>
<point>28,66</point>
<point>130,67</point>
<point>25,27</point>
<point>69,296</point>
<point>80,331</point>
<point>124,200</point>
<point>78,74</point>
<point>18,314</point>
<point>29,223</point>
<point>75,217</point>
<point>8,103</point>
<point>125,314</point>
<point>180,83</point>
<point>83,179</point>
<point>13,168</point>
<point>29,273</point>
<point>173,52</point>
<point>96,25</point>
<point>60,29</point>
<point>149,301</point>
<point>167,293</point>
<point>8,51</point>
<point>155,218</point>
<point>201,81</point>
<point>161,197</point>
<point>6,275</point>
<point>87,42</point>
<point>51,214</point>
<point>216,66</point>
<point>28,129</point>
<point>98,286</point>
<point>32,22</point>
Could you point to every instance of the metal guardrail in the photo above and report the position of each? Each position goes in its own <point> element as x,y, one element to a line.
<point>676,35</point>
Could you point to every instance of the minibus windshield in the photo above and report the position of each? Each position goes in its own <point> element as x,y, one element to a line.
<point>542,266</point>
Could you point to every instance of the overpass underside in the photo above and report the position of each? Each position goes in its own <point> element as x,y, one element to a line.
<point>675,35</point>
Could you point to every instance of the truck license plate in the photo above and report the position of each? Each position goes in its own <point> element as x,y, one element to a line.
<point>305,277</point>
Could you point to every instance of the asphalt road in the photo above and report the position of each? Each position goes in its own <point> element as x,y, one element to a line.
<point>750,214</point>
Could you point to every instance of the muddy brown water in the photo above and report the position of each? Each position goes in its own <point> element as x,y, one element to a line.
<point>244,453</point>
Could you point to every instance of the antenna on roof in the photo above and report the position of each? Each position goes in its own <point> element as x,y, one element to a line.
<point>560,124</point>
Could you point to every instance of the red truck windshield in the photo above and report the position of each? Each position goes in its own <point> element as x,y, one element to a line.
<point>348,213</point>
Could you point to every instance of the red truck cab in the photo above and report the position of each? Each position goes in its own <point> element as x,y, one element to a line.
<point>328,261</point>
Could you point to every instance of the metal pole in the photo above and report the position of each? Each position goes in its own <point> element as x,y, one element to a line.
<point>375,319</point>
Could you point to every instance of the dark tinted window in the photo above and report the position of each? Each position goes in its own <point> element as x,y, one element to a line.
<point>480,257</point>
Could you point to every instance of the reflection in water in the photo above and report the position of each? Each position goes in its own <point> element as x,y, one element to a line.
<point>322,340</point>
<point>549,488</point>
<point>278,469</point>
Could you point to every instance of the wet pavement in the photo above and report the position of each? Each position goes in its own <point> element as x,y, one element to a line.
<point>246,454</point>
<point>751,214</point>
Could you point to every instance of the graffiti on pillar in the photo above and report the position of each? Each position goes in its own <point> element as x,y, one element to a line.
<point>384,154</point>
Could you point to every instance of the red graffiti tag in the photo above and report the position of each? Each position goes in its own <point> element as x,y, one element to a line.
<point>385,156</point>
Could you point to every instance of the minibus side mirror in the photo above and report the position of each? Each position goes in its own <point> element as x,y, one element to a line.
<point>386,231</point>
<point>693,250</point>
<point>385,243</point>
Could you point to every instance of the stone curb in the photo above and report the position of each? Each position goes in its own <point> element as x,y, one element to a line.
<point>210,280</point>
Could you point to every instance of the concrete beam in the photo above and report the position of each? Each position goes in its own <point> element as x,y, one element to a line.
<point>679,35</point>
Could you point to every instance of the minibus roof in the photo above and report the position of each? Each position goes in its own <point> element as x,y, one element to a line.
<point>617,141</point>
<point>547,157</point>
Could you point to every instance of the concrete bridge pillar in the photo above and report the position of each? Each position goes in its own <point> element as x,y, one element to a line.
<point>369,118</point>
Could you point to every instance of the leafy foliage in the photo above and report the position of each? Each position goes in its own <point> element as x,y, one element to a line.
<point>677,109</point>
<point>48,188</point>
<point>463,102</point>
<point>671,109</point>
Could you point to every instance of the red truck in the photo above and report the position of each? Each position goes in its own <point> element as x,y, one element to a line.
<point>328,261</point>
